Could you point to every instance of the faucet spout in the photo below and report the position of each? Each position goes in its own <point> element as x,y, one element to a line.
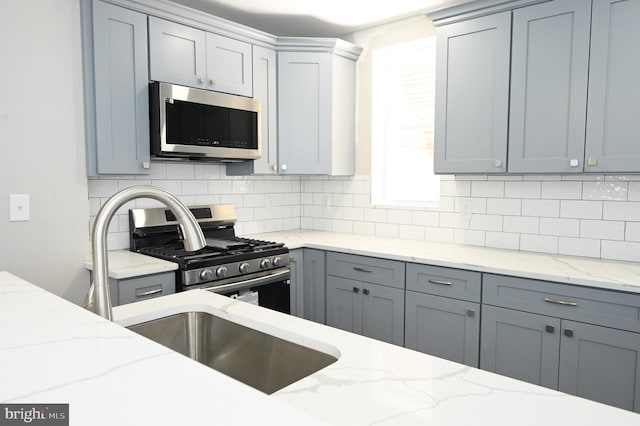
<point>99,295</point>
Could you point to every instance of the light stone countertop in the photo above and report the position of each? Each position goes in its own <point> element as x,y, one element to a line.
<point>54,351</point>
<point>128,264</point>
<point>623,276</point>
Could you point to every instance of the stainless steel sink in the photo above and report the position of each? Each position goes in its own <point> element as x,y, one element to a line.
<point>260,360</point>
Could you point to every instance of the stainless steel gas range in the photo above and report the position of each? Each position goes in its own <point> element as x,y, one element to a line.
<point>243,268</point>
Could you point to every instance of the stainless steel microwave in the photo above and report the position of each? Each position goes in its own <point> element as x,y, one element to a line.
<point>191,123</point>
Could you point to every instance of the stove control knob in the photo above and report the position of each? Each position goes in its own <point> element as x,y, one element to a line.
<point>243,268</point>
<point>265,263</point>
<point>221,272</point>
<point>206,274</point>
<point>277,261</point>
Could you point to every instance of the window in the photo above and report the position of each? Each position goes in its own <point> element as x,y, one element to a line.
<point>403,104</point>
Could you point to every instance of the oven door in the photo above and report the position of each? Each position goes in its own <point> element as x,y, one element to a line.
<point>272,288</point>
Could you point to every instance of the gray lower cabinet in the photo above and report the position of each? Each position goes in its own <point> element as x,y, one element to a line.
<point>116,89</point>
<point>582,341</point>
<point>135,289</point>
<point>549,68</point>
<point>442,312</point>
<point>313,288</point>
<point>614,88</point>
<point>366,296</point>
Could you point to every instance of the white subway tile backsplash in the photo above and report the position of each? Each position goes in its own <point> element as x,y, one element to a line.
<point>539,243</point>
<point>487,189</point>
<point>621,250</point>
<point>411,232</point>
<point>505,206</point>
<point>577,215</point>
<point>503,240</point>
<point>562,190</point>
<point>560,227</point>
<point>486,222</point>
<point>603,229</point>
<point>541,208</point>
<point>469,237</point>
<point>605,191</point>
<point>521,224</point>
<point>579,247</point>
<point>522,189</point>
<point>581,209</point>
<point>616,210</point>
<point>181,171</point>
<point>439,235</point>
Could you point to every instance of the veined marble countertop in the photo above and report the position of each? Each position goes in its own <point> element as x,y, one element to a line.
<point>127,264</point>
<point>54,351</point>
<point>623,276</point>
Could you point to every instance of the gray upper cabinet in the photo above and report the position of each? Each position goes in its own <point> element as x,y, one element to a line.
<point>472,95</point>
<point>188,56</point>
<point>549,63</point>
<point>264,89</point>
<point>614,88</point>
<point>316,113</point>
<point>116,89</point>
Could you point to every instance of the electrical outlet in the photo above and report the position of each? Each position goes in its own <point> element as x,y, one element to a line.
<point>326,202</point>
<point>18,207</point>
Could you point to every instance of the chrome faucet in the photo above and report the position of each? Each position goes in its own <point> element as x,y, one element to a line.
<point>99,297</point>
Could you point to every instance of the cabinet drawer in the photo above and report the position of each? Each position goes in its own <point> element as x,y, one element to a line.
<point>605,307</point>
<point>447,282</point>
<point>368,269</point>
<point>146,287</point>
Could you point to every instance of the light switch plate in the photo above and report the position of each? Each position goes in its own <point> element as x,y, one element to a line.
<point>18,207</point>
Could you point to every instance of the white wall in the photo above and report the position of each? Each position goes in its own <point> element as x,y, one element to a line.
<point>42,144</point>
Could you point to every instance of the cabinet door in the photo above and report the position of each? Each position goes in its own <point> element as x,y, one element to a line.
<point>229,66</point>
<point>601,364</point>
<point>344,304</point>
<point>443,327</point>
<point>265,90</point>
<point>314,285</point>
<point>383,313</point>
<point>304,112</point>
<point>472,95</point>
<point>520,345</point>
<point>177,53</point>
<point>296,281</point>
<point>121,92</point>
<point>549,69</point>
<point>614,88</point>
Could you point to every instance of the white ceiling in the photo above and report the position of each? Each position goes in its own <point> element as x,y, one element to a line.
<point>319,18</point>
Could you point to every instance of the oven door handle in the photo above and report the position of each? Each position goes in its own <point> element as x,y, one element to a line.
<point>253,282</point>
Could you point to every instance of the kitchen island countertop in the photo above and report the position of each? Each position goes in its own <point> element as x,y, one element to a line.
<point>54,351</point>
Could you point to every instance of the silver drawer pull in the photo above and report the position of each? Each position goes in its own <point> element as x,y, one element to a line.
<point>149,293</point>
<point>560,302</point>
<point>439,282</point>
<point>359,269</point>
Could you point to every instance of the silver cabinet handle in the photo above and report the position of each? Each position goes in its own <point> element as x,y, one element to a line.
<point>149,293</point>
<point>560,302</point>
<point>440,282</point>
<point>359,269</point>
<point>471,312</point>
